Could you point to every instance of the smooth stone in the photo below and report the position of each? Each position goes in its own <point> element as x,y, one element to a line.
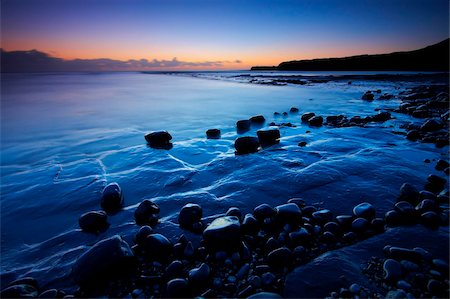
<point>441,165</point>
<point>258,119</point>
<point>406,210</point>
<point>315,121</point>
<point>263,211</point>
<point>268,137</point>
<point>427,195</point>
<point>112,198</point>
<point>392,270</point>
<point>409,266</point>
<point>355,288</point>
<point>246,145</point>
<point>245,292</point>
<point>174,269</point>
<point>377,224</point>
<point>424,254</point>
<point>265,295</point>
<point>413,135</point>
<point>408,193</point>
<point>94,221</point>
<point>268,278</point>
<point>300,237</point>
<point>306,116</point>
<point>19,291</point>
<point>223,233</point>
<point>142,233</point>
<point>440,265</point>
<point>396,294</point>
<point>309,210</point>
<point>199,275</point>
<point>213,134</point>
<point>426,205</point>
<point>435,287</point>
<point>302,143</point>
<point>393,218</point>
<point>255,281</point>
<point>298,201</point>
<point>431,125</point>
<point>430,219</point>
<point>159,139</point>
<point>157,247</point>
<point>234,211</point>
<point>322,216</point>
<point>299,252</point>
<point>189,250</point>
<point>328,238</point>
<point>249,225</point>
<point>333,228</point>
<point>360,225</point>
<point>106,260</point>
<point>289,213</point>
<point>243,271</point>
<point>399,253</point>
<point>189,214</point>
<point>368,96</point>
<point>344,220</point>
<point>401,284</point>
<point>293,110</point>
<point>243,125</point>
<point>364,210</point>
<point>178,288</point>
<point>435,183</point>
<point>280,257</point>
<point>146,213</point>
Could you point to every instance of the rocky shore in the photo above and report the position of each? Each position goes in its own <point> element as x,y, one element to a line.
<point>267,253</point>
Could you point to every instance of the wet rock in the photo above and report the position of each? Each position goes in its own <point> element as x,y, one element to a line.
<point>243,125</point>
<point>265,295</point>
<point>281,257</point>
<point>409,193</point>
<point>250,225</point>
<point>213,134</point>
<point>293,110</point>
<point>263,211</point>
<point>441,165</point>
<point>333,228</point>
<point>268,137</point>
<point>430,219</point>
<point>431,125</point>
<point>246,145</point>
<point>344,220</point>
<point>108,259</point>
<point>328,238</point>
<point>334,119</point>
<point>377,224</point>
<point>142,233</point>
<point>52,293</point>
<point>199,275</point>
<point>178,288</point>
<point>409,266</point>
<point>189,214</point>
<point>112,198</point>
<point>393,218</point>
<point>364,210</point>
<point>147,213</point>
<point>392,270</point>
<point>19,291</point>
<point>315,121</point>
<point>159,139</point>
<point>245,292</point>
<point>94,221</point>
<point>243,271</point>
<point>300,237</point>
<point>399,254</point>
<point>396,294</point>
<point>360,225</point>
<point>223,233</point>
<point>355,288</point>
<point>322,216</point>
<point>435,183</point>
<point>413,135</point>
<point>258,119</point>
<point>306,116</point>
<point>234,211</point>
<point>268,278</point>
<point>435,287</point>
<point>175,269</point>
<point>368,96</point>
<point>426,205</point>
<point>289,213</point>
<point>189,250</point>
<point>157,247</point>
<point>406,210</point>
<point>440,265</point>
<point>427,195</point>
<point>302,143</point>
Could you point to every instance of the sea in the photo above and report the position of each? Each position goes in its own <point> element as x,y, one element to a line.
<point>65,136</point>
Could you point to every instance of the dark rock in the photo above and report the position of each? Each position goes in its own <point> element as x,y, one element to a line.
<point>52,293</point>
<point>322,216</point>
<point>435,287</point>
<point>368,96</point>
<point>250,225</point>
<point>157,247</point>
<point>399,254</point>
<point>213,134</point>
<point>395,294</point>
<point>175,269</point>
<point>300,237</point>
<point>355,288</point>
<point>285,113</point>
<point>143,232</point>
<point>189,250</point>
<point>344,220</point>
<point>298,201</point>
<point>243,125</point>
<point>106,260</point>
<point>364,210</point>
<point>112,198</point>
<point>276,113</point>
<point>409,193</point>
<point>333,228</point>
<point>441,165</point>
<point>265,295</point>
<point>306,116</point>
<point>393,218</point>
<point>258,119</point>
<point>234,211</point>
<point>94,221</point>
<point>263,211</point>
<point>377,224</point>
<point>199,275</point>
<point>299,252</point>
<point>243,271</point>
<point>19,291</point>
<point>293,110</point>
<point>289,213</point>
<point>223,233</point>
<point>334,119</point>
<point>440,265</point>
<point>245,292</point>
<point>268,137</point>
<point>406,210</point>
<point>268,278</point>
<point>382,116</point>
<point>147,213</point>
<point>309,210</point>
<point>392,270</point>
<point>246,145</point>
<point>189,214</point>
<point>435,183</point>
<point>281,257</point>
<point>302,143</point>
<point>316,121</point>
<point>430,219</point>
<point>426,205</point>
<point>427,195</point>
<point>178,288</point>
<point>431,125</point>
<point>328,238</point>
<point>413,135</point>
<point>360,225</point>
<point>409,266</point>
<point>160,139</point>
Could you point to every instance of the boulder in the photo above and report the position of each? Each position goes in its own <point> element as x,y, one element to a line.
<point>289,213</point>
<point>157,247</point>
<point>213,134</point>
<point>263,211</point>
<point>258,119</point>
<point>159,139</point>
<point>368,96</point>
<point>364,210</point>
<point>432,125</point>
<point>268,137</point>
<point>246,145</point>
<point>306,116</point>
<point>112,198</point>
<point>293,110</point>
<point>190,213</point>
<point>223,233</point>
<point>243,125</point>
<point>147,213</point>
<point>94,221</point>
<point>409,193</point>
<point>316,121</point>
<point>108,259</point>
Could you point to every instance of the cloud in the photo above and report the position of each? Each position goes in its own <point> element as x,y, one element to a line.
<point>36,61</point>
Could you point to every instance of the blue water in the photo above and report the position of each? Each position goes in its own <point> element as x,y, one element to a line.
<point>65,136</point>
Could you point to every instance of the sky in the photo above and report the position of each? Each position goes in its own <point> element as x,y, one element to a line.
<point>220,34</point>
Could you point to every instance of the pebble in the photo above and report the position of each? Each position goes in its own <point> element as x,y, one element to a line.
<point>147,213</point>
<point>322,216</point>
<point>293,110</point>
<point>408,193</point>
<point>364,210</point>
<point>280,257</point>
<point>302,143</point>
<point>392,270</point>
<point>223,233</point>
<point>94,221</point>
<point>328,238</point>
<point>409,266</point>
<point>213,134</point>
<point>401,284</point>
<point>263,211</point>
<point>393,218</point>
<point>424,254</point>
<point>249,225</point>
<point>159,140</point>
<point>289,213</point>
<point>243,271</point>
<point>431,125</point>
<point>333,228</point>
<point>427,195</point>
<point>255,281</point>
<point>157,247</point>
<point>344,220</point>
<point>234,211</point>
<point>434,287</point>
<point>245,292</point>
<point>19,291</point>
<point>246,145</point>
<point>377,224</point>
<point>178,288</point>
<point>309,210</point>
<point>112,198</point>
<point>441,165</point>
<point>360,225</point>
<point>396,294</point>
<point>406,210</point>
<point>142,233</point>
<point>199,275</point>
<point>268,278</point>
<point>189,214</point>
<point>426,205</point>
<point>299,237</point>
<point>435,183</point>
<point>355,288</point>
<point>174,269</point>
<point>399,253</point>
<point>189,250</point>
<point>430,219</point>
<point>26,280</point>
<point>440,265</point>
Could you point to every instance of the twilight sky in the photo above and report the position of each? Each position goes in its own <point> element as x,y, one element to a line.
<point>224,34</point>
